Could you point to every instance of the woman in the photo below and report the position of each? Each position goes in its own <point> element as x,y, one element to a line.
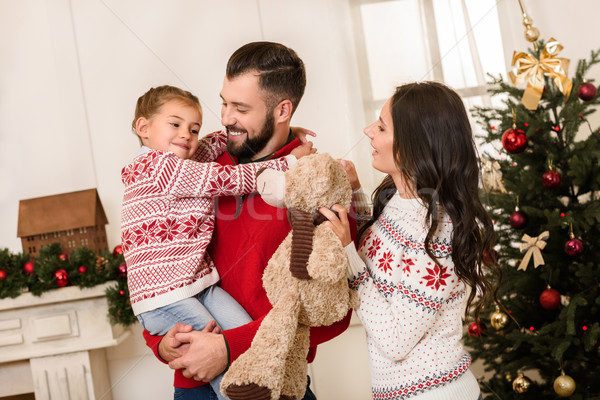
<point>422,248</point>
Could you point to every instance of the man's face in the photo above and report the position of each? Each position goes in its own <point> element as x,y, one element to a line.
<point>245,116</point>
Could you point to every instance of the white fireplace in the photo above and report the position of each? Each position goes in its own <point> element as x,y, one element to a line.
<point>54,345</point>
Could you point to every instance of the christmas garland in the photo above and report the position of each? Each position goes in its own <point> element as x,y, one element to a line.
<point>54,269</point>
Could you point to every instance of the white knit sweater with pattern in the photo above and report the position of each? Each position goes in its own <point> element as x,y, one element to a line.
<point>411,308</point>
<point>167,219</point>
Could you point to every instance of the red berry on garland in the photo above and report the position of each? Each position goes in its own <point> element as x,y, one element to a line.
<point>550,299</point>
<point>122,292</point>
<point>573,247</point>
<point>514,140</point>
<point>518,219</point>
<point>61,278</point>
<point>82,269</point>
<point>63,256</point>
<point>477,329</point>
<point>3,275</point>
<point>28,267</point>
<point>551,179</point>
<point>122,270</point>
<point>117,250</point>
<point>586,91</point>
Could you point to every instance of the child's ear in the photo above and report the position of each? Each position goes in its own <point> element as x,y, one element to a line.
<point>141,127</point>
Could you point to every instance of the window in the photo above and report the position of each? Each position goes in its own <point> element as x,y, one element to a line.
<point>453,41</point>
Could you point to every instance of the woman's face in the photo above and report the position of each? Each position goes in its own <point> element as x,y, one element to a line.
<point>381,133</point>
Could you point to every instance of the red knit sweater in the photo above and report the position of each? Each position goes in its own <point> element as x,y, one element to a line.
<point>247,233</point>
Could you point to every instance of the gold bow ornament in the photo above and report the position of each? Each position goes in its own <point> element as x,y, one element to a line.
<point>530,69</point>
<point>533,246</point>
<point>491,177</point>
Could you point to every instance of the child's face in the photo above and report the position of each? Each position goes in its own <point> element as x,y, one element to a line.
<point>175,128</point>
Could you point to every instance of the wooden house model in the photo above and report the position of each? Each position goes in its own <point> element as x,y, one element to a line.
<point>74,220</point>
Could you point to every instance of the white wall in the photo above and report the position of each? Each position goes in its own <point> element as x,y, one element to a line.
<point>71,71</point>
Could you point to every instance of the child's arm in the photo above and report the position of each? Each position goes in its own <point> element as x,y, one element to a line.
<point>211,146</point>
<point>187,178</point>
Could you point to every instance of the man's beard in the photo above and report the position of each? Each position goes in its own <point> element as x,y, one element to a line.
<point>252,146</point>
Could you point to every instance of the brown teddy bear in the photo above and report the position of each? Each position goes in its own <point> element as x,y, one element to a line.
<point>305,281</point>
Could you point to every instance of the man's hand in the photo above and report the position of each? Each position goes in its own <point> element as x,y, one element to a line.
<point>169,347</point>
<point>206,356</point>
<point>304,149</point>
<point>350,170</point>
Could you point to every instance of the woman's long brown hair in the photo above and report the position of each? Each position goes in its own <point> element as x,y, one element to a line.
<point>434,149</point>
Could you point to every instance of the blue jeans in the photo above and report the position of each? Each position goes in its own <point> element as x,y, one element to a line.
<point>211,303</point>
<point>206,393</point>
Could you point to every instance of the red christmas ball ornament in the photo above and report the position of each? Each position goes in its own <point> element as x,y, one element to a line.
<point>514,140</point>
<point>551,179</point>
<point>117,250</point>
<point>550,299</point>
<point>82,269</point>
<point>62,278</point>
<point>573,247</point>
<point>63,256</point>
<point>3,275</point>
<point>586,91</point>
<point>477,329</point>
<point>122,292</point>
<point>28,267</point>
<point>122,270</point>
<point>518,219</point>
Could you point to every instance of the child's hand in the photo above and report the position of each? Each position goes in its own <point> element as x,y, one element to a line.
<point>350,170</point>
<point>302,133</point>
<point>304,149</point>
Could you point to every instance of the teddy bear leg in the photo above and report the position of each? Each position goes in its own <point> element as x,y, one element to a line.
<point>296,368</point>
<point>258,373</point>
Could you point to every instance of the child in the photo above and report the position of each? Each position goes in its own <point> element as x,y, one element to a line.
<point>167,215</point>
<point>422,247</point>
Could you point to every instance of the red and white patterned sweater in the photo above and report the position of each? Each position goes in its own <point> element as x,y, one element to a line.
<point>167,219</point>
<point>411,308</point>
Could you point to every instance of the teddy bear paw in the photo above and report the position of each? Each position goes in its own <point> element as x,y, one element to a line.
<point>250,391</point>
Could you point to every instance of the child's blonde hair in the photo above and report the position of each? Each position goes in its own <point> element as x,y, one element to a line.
<point>149,104</point>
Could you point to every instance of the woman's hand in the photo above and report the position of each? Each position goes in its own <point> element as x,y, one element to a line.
<point>350,170</point>
<point>339,225</point>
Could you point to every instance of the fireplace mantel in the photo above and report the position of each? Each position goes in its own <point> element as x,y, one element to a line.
<point>59,339</point>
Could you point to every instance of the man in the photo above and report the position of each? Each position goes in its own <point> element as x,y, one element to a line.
<point>262,88</point>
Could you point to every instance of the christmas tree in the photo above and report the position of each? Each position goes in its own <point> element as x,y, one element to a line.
<point>541,175</point>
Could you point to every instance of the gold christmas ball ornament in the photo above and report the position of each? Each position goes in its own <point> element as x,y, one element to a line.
<point>521,384</point>
<point>498,319</point>
<point>564,385</point>
<point>531,33</point>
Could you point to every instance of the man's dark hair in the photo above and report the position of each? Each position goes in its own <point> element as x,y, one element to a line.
<point>281,72</point>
